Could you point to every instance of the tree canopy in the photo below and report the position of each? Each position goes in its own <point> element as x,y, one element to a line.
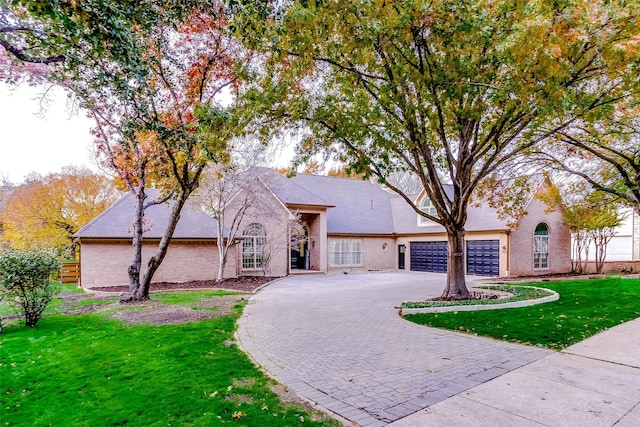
<point>448,90</point>
<point>604,153</point>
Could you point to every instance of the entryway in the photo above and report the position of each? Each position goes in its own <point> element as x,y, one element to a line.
<point>300,254</point>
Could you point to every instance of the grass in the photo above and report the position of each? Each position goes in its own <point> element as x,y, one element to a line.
<point>585,308</point>
<point>71,288</point>
<point>7,309</point>
<point>190,298</point>
<point>94,302</point>
<point>89,370</point>
<point>520,293</point>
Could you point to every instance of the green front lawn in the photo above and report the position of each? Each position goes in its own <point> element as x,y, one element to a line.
<point>89,370</point>
<point>585,308</point>
<point>189,298</point>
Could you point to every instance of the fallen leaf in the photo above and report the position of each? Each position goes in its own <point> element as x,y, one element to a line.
<point>238,414</point>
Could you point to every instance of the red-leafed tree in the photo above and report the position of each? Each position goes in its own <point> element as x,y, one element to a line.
<point>160,81</point>
<point>176,120</point>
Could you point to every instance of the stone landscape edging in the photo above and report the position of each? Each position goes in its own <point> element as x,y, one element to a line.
<point>515,304</point>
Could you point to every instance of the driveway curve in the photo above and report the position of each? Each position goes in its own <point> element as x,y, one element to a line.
<point>338,341</point>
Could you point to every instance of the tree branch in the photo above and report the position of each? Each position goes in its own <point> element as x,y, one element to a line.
<point>22,56</point>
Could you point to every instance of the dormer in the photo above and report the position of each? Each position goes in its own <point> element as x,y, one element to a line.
<point>427,207</point>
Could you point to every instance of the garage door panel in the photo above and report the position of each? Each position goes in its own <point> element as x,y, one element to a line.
<point>483,257</point>
<point>428,256</point>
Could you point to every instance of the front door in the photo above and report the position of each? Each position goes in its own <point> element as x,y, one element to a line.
<point>402,249</point>
<point>299,248</point>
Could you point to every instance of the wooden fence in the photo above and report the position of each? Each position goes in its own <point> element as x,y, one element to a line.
<point>70,272</point>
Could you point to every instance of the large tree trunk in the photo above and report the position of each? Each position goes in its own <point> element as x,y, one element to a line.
<point>142,293</point>
<point>136,265</point>
<point>456,284</point>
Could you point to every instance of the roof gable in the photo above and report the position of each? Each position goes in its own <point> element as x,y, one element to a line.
<point>286,189</point>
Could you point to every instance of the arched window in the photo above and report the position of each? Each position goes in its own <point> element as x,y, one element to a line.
<point>254,241</point>
<point>541,247</point>
<point>427,207</point>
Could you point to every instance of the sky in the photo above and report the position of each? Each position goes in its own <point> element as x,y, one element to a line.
<point>43,144</point>
<point>31,141</point>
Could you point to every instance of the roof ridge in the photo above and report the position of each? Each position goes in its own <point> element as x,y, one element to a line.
<point>308,191</point>
<point>289,181</point>
<point>334,177</point>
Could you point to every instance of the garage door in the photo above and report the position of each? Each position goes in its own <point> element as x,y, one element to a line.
<point>428,256</point>
<point>483,257</point>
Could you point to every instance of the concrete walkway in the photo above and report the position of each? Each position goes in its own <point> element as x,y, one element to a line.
<point>593,383</point>
<point>338,341</point>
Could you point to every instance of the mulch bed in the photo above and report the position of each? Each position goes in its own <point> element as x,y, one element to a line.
<point>241,284</point>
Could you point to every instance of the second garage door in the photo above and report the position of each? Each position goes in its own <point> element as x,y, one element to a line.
<point>428,256</point>
<point>483,257</point>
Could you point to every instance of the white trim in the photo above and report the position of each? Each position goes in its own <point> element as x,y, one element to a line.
<point>548,252</point>
<point>424,221</point>
<point>348,253</point>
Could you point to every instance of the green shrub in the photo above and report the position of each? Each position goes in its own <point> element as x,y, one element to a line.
<point>28,281</point>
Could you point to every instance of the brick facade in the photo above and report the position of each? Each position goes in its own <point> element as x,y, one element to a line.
<point>521,242</point>
<point>105,264</point>
<point>383,225</point>
<point>378,254</point>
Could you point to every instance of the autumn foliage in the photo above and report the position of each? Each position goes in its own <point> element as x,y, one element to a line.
<point>45,212</point>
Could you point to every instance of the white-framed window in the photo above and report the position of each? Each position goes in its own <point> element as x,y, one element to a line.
<point>427,207</point>
<point>345,252</point>
<point>541,247</point>
<point>253,245</point>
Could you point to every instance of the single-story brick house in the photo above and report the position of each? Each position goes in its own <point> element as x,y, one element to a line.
<point>326,224</point>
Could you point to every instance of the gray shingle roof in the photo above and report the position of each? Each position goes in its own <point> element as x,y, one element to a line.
<point>353,207</point>
<point>288,190</point>
<point>117,220</point>
<point>360,206</point>
<point>479,218</point>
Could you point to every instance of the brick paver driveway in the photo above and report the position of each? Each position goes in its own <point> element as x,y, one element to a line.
<point>338,341</point>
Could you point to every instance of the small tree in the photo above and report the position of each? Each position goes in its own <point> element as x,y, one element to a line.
<point>226,195</point>
<point>27,281</point>
<point>581,243</point>
<point>592,220</point>
<point>603,229</point>
<point>591,216</point>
